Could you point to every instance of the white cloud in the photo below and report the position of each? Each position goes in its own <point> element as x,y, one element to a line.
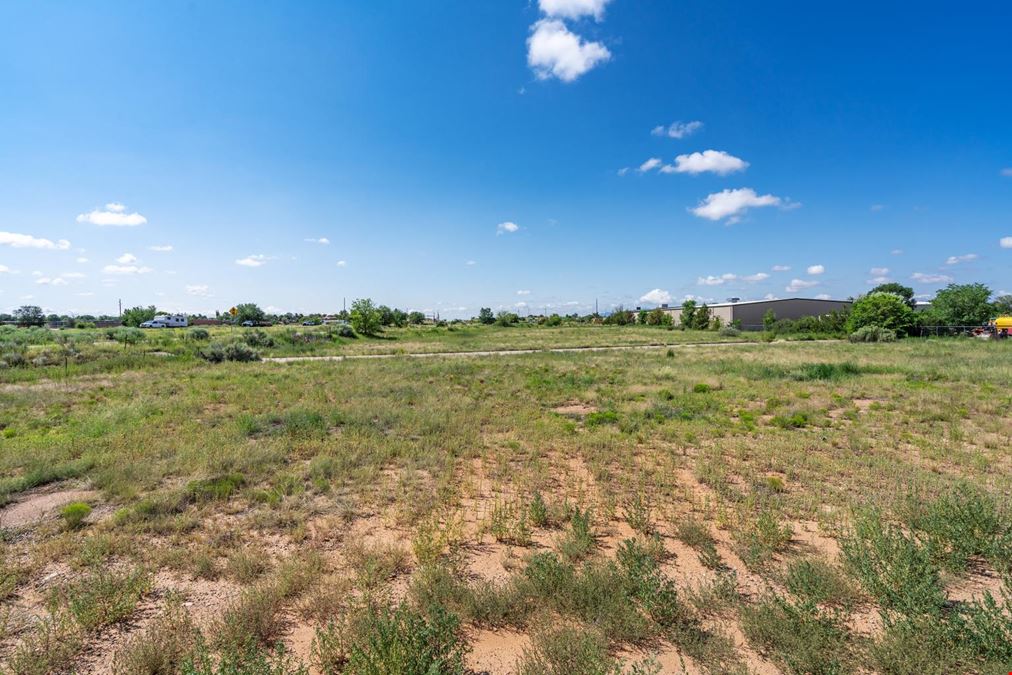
<point>1007,171</point>
<point>732,203</point>
<point>815,269</point>
<point>73,275</point>
<point>471,263</point>
<point>931,278</point>
<point>198,289</point>
<point>85,294</point>
<point>126,259</point>
<point>342,263</point>
<point>714,161</point>
<point>656,297</point>
<point>879,280</point>
<point>649,165</point>
<point>82,260</point>
<point>716,281</point>
<point>677,129</point>
<point>623,171</point>
<point>322,240</point>
<point>781,268</point>
<point>523,292</point>
<point>125,269</point>
<point>956,259</point>
<point>799,284</point>
<point>879,271</point>
<point>757,277</point>
<point>1005,242</point>
<point>574,9</point>
<point>506,227</point>
<point>896,251</point>
<point>114,215</point>
<point>161,248</point>
<point>15,240</point>
<point>5,270</point>
<point>553,51</point>
<point>252,260</point>
<point>876,207</point>
<point>51,282</point>
<point>823,296</point>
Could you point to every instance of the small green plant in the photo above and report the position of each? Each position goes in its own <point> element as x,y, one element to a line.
<point>637,513</point>
<point>701,388</point>
<point>218,488</point>
<point>538,511</point>
<point>796,420</point>
<point>601,417</point>
<point>508,523</point>
<point>102,598</point>
<point>161,649</point>
<point>819,583</point>
<point>578,541</point>
<point>760,536</point>
<point>697,536</point>
<point>74,514</point>
<point>799,637</point>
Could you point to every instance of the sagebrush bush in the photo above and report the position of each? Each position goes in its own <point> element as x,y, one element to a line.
<point>199,334</point>
<point>872,334</point>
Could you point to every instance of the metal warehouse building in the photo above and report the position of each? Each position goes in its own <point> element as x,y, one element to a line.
<point>750,312</point>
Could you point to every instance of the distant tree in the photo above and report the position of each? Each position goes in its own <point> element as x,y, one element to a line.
<point>658,317</point>
<point>701,320</point>
<point>963,305</point>
<point>486,316</point>
<point>135,316</point>
<point>386,315</point>
<point>249,311</point>
<point>399,318</point>
<point>1003,305</point>
<point>904,292</point>
<point>365,317</point>
<point>884,310</point>
<point>620,316</point>
<point>769,320</point>
<point>506,319</point>
<point>553,320</point>
<point>29,315</point>
<point>416,318</point>
<point>688,318</point>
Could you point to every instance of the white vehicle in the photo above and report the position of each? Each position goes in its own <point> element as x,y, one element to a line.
<point>167,321</point>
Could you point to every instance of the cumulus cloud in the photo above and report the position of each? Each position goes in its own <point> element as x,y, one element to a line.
<point>799,284</point>
<point>896,251</point>
<point>125,269</point>
<point>161,248</point>
<point>823,296</point>
<point>342,263</point>
<point>322,240</point>
<point>16,240</point>
<point>255,260</point>
<point>956,259</point>
<point>200,290</point>
<point>114,215</point>
<point>879,271</point>
<point>716,281</point>
<point>815,269</point>
<point>713,161</point>
<point>677,129</point>
<point>781,268</point>
<point>755,278</point>
<point>73,275</point>
<point>875,281</point>
<point>46,281</point>
<point>1005,242</point>
<point>623,171</point>
<point>6,270</point>
<point>926,278</point>
<point>649,165</point>
<point>573,9</point>
<point>507,227</point>
<point>554,51</point>
<point>82,260</point>
<point>471,263</point>
<point>126,259</point>
<point>523,292</point>
<point>733,203</point>
<point>656,297</point>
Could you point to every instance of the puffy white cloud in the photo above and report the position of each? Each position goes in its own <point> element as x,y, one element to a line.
<point>755,278</point>
<point>114,215</point>
<point>125,269</point>
<point>523,292</point>
<point>649,165</point>
<point>126,259</point>
<point>656,297</point>
<point>956,259</point>
<point>255,260</point>
<point>200,290</point>
<point>46,281</point>
<point>879,271</point>
<point>5,270</point>
<point>322,240</point>
<point>799,284</point>
<point>875,281</point>
<point>925,278</point>
<point>677,129</point>
<point>82,260</point>
<point>733,203</point>
<point>507,227</point>
<point>1005,242</point>
<point>574,9</point>
<point>342,263</point>
<point>16,240</point>
<point>823,296</point>
<point>554,51</point>
<point>716,281</point>
<point>161,248</point>
<point>815,269</point>
<point>713,161</point>
<point>73,275</point>
<point>781,268</point>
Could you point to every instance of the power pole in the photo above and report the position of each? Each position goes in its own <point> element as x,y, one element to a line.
<point>121,308</point>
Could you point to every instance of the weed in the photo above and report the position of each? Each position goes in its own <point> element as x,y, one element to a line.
<point>819,583</point>
<point>246,565</point>
<point>218,488</point>
<point>538,511</point>
<point>102,598</point>
<point>637,513</point>
<point>162,648</point>
<point>759,537</point>
<point>796,420</point>
<point>798,637</point>
<point>601,417</point>
<point>50,647</point>
<point>376,564</point>
<point>579,540</point>
<point>508,523</point>
<point>566,650</point>
<point>697,536</point>
<point>73,514</point>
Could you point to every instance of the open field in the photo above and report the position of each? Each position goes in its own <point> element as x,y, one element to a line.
<point>803,507</point>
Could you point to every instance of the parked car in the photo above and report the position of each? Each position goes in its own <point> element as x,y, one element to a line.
<point>167,321</point>
<point>248,324</point>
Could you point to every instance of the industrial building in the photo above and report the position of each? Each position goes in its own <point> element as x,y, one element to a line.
<point>750,313</point>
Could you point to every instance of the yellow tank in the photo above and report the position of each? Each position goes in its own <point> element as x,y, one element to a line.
<point>1003,322</point>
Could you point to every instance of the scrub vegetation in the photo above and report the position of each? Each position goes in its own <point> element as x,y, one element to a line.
<point>796,507</point>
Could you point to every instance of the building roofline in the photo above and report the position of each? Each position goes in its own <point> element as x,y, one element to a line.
<point>755,302</point>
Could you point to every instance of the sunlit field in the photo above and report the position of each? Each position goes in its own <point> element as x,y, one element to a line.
<point>797,507</point>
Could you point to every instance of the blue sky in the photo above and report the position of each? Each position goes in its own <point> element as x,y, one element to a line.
<point>463,154</point>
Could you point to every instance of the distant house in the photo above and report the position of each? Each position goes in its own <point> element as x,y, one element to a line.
<point>750,313</point>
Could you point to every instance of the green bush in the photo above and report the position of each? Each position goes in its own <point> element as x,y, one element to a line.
<point>217,352</point>
<point>73,514</point>
<point>728,331</point>
<point>101,599</point>
<point>799,637</point>
<point>885,310</point>
<point>256,338</point>
<point>199,334</point>
<point>872,334</point>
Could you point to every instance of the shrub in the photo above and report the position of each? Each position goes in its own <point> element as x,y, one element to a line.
<point>199,334</point>
<point>728,331</point>
<point>798,636</point>
<point>218,488</point>
<point>601,417</point>
<point>566,650</point>
<point>872,334</point>
<point>217,352</point>
<point>161,649</point>
<point>257,338</point>
<point>885,310</point>
<point>73,514</point>
<point>101,599</point>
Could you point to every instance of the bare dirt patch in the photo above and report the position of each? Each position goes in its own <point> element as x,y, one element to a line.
<point>496,652</point>
<point>36,506</point>
<point>575,409</point>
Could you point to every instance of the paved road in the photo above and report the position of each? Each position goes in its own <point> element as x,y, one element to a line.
<point>502,352</point>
